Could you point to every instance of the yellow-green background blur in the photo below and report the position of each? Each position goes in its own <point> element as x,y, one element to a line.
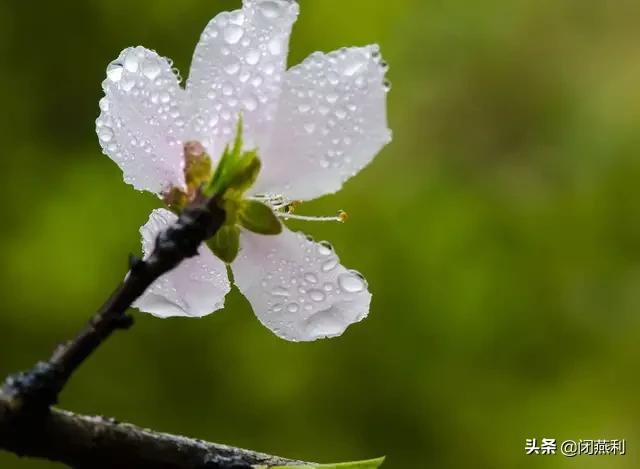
<point>499,233</point>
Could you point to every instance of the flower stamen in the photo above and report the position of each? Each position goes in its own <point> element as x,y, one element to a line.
<point>341,217</point>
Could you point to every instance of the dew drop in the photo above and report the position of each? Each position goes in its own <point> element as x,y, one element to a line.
<point>325,248</point>
<point>131,63</point>
<point>257,81</point>
<point>253,57</point>
<point>127,85</point>
<point>233,34</point>
<point>310,277</point>
<point>232,68</point>
<point>327,323</point>
<point>351,282</point>
<point>105,134</point>
<point>275,46</point>
<point>280,291</point>
<point>151,69</point>
<point>329,265</point>
<point>353,68</point>
<point>341,113</point>
<point>114,71</point>
<point>270,9</point>
<point>316,295</point>
<point>250,103</point>
<point>104,104</point>
<point>293,307</point>
<point>333,78</point>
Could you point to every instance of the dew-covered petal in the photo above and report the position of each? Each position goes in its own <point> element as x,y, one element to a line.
<point>195,288</point>
<point>331,122</point>
<point>238,67</point>
<point>141,121</point>
<point>297,287</point>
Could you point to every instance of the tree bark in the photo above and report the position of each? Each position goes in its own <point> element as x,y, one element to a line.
<point>84,442</point>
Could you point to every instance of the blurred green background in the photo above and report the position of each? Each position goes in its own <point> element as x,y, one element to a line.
<point>499,233</point>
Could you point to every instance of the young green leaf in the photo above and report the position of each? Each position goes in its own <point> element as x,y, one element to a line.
<point>226,243</point>
<point>245,172</point>
<point>257,217</point>
<point>236,170</point>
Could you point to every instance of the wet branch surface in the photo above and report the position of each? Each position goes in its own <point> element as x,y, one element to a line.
<point>29,426</point>
<point>99,443</point>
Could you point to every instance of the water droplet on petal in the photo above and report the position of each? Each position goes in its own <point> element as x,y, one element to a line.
<point>311,278</point>
<point>105,134</point>
<point>316,295</point>
<point>253,57</point>
<point>341,113</point>
<point>114,71</point>
<point>329,265</point>
<point>275,46</point>
<point>280,291</point>
<point>270,9</point>
<point>232,68</point>
<point>127,85</point>
<point>151,69</point>
<point>250,103</point>
<point>326,323</point>
<point>233,34</point>
<point>325,248</point>
<point>351,282</point>
<point>131,62</point>
<point>353,68</point>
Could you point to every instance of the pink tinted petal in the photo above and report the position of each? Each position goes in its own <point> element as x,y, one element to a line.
<point>297,287</point>
<point>237,68</point>
<point>195,288</point>
<point>331,123</point>
<point>141,121</point>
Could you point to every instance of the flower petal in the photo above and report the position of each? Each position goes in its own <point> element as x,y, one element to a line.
<point>297,287</point>
<point>237,68</point>
<point>195,288</point>
<point>331,123</point>
<point>140,125</point>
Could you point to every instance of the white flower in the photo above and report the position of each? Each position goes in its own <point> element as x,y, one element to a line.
<point>314,125</point>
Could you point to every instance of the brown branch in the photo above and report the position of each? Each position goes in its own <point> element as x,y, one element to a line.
<point>30,427</point>
<point>37,389</point>
<point>99,443</point>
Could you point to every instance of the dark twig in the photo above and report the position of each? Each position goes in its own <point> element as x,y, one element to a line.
<point>99,443</point>
<point>36,390</point>
<point>28,425</point>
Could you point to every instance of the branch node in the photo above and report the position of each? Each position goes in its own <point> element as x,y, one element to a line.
<point>34,391</point>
